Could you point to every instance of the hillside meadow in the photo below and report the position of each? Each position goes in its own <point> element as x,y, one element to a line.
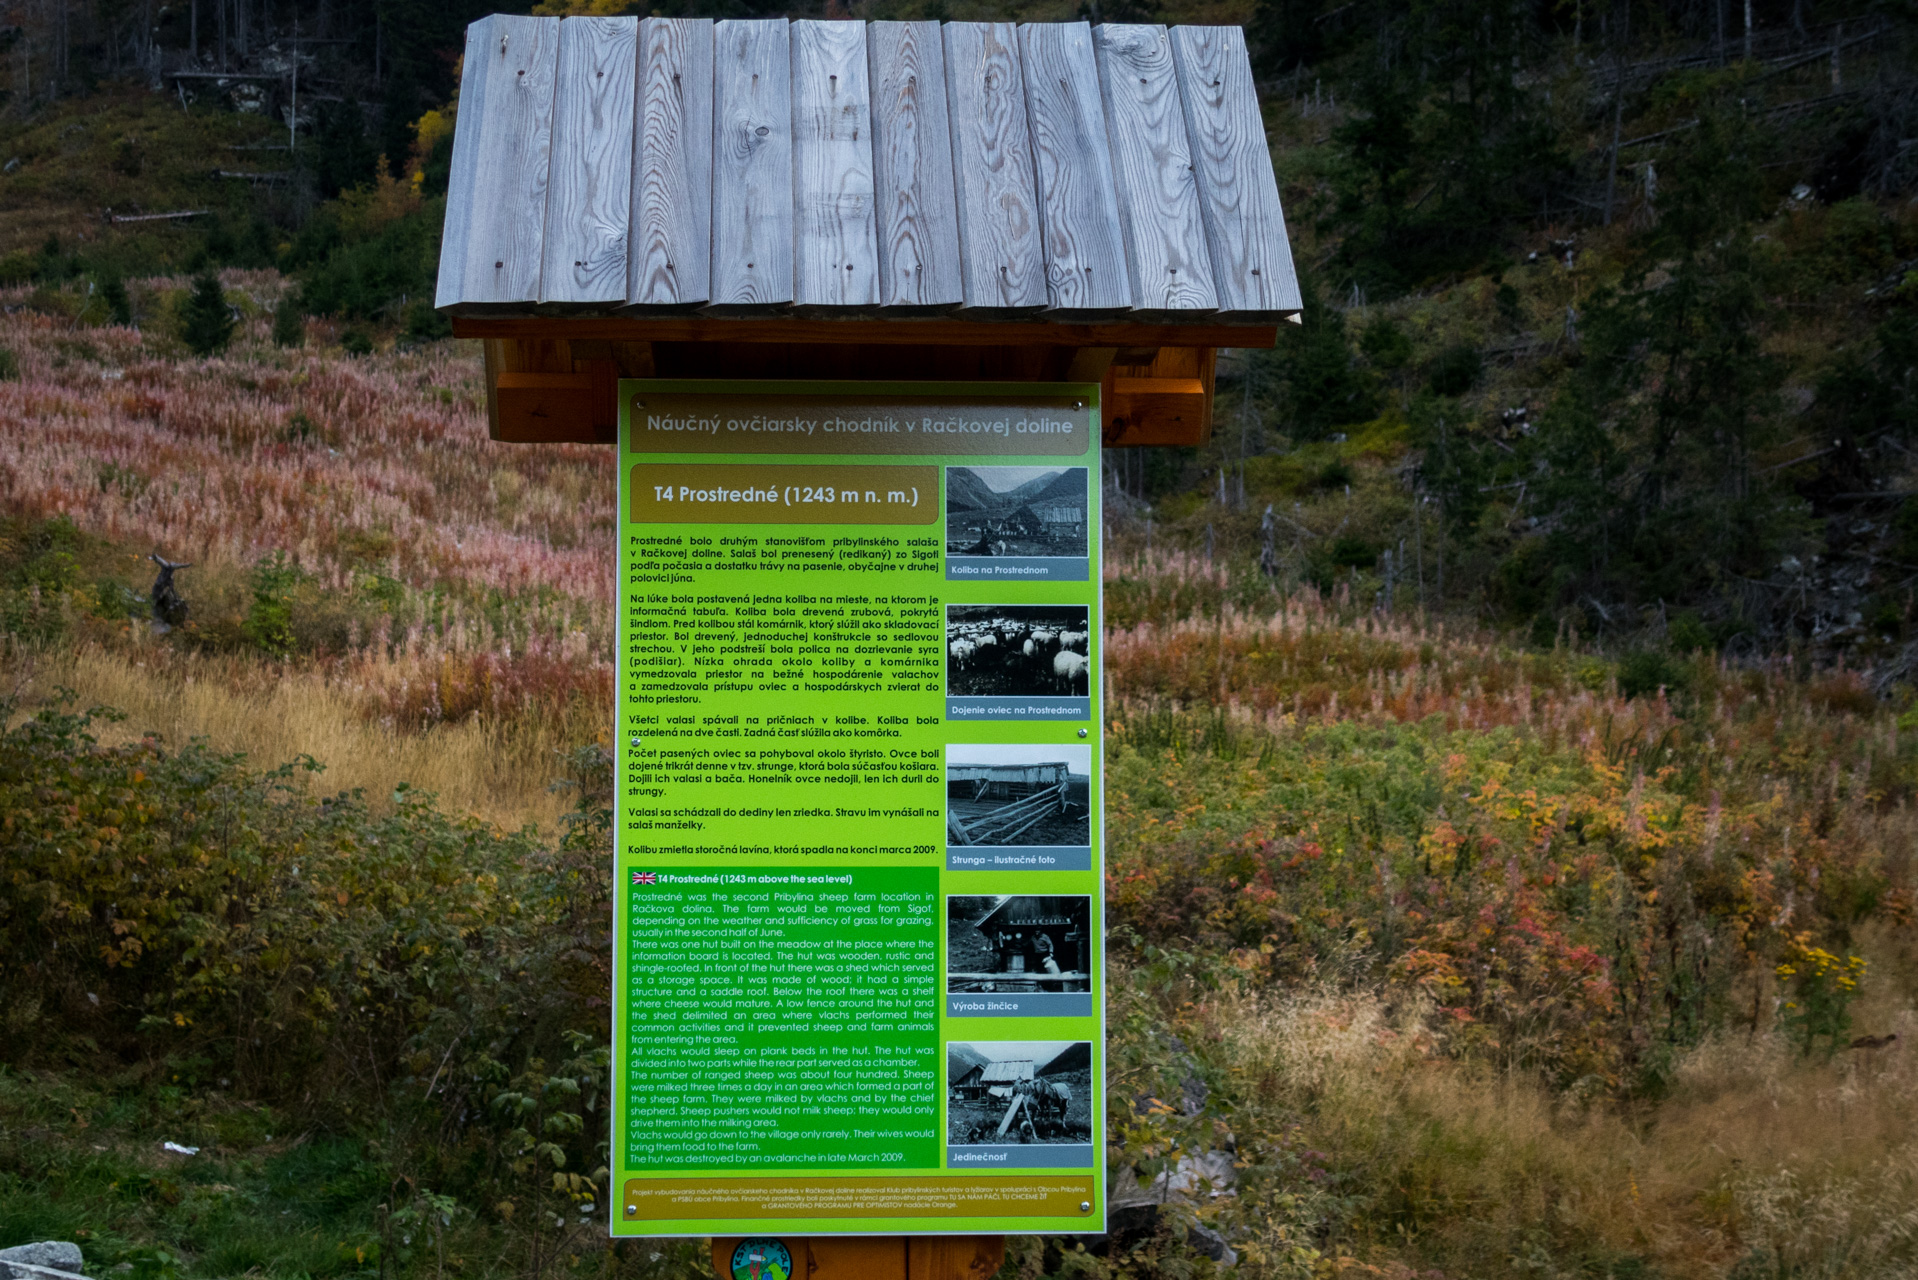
<point>420,579</point>
<point>1446,955</point>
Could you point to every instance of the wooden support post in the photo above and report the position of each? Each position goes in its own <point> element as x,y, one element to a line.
<point>880,1257</point>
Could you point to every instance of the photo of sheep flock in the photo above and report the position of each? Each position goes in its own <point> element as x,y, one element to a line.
<point>1013,649</point>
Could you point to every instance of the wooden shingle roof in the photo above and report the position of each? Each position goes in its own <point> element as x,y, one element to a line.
<point>1048,172</point>
<point>1006,1072</point>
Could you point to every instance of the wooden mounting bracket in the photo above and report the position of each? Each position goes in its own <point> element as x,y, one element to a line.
<point>881,1257</point>
<point>566,390</point>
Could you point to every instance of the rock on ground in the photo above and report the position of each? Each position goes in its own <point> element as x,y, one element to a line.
<point>60,1255</point>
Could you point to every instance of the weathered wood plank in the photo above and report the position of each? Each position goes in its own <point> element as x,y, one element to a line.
<point>917,216</point>
<point>1238,193</point>
<point>462,180</point>
<point>670,255</point>
<point>1010,336</point>
<point>752,262</point>
<point>1078,207</point>
<point>589,189</point>
<point>1002,261</point>
<point>835,253</point>
<point>1152,163</point>
<point>505,140</point>
<point>954,1257</point>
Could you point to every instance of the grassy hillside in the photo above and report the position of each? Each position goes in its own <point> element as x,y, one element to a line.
<point>1609,327</point>
<point>135,152</point>
<point>1479,960</point>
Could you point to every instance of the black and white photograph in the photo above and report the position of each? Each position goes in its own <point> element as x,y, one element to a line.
<point>998,650</point>
<point>1018,943</point>
<point>1018,793</point>
<point>1015,511</point>
<point>1014,1091</point>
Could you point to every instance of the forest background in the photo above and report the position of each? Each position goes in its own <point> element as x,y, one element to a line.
<point>1513,737</point>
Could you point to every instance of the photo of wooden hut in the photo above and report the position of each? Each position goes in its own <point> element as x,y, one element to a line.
<point>1016,794</point>
<point>1016,511</point>
<point>1027,942</point>
<point>991,1080</point>
<point>1022,1091</point>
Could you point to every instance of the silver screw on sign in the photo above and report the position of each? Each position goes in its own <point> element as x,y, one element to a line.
<point>1085,1206</point>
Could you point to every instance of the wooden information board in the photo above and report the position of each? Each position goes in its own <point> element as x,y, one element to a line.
<point>859,951</point>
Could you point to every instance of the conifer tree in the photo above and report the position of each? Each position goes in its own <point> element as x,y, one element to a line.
<point>289,322</point>
<point>1649,452</point>
<point>1324,388</point>
<point>207,323</point>
<point>113,293</point>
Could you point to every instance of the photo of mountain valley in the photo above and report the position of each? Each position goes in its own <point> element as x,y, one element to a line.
<point>1016,511</point>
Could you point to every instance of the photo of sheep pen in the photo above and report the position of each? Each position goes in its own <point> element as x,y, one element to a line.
<point>1037,1091</point>
<point>1027,942</point>
<point>1013,649</point>
<point>1015,511</point>
<point>1001,794</point>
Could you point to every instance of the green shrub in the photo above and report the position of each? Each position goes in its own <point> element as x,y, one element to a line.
<point>425,324</point>
<point>50,299</point>
<point>1386,345</point>
<point>269,619</point>
<point>238,926</point>
<point>1688,634</point>
<point>9,365</point>
<point>54,264</point>
<point>1338,474</point>
<point>1354,553</point>
<point>1820,988</point>
<point>359,275</point>
<point>206,322</point>
<point>1455,370</point>
<point>1647,671</point>
<point>1506,299</point>
<point>357,342</point>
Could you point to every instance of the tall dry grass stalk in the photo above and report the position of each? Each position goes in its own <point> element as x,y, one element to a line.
<point>499,771</point>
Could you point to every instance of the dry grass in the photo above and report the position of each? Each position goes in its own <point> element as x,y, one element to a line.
<point>497,771</point>
<point>1791,1167</point>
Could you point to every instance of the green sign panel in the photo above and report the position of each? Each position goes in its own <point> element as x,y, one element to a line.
<point>859,979</point>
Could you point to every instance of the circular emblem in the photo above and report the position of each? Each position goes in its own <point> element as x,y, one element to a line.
<point>762,1259</point>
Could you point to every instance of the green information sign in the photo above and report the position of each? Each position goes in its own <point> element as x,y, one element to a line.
<point>860,940</point>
